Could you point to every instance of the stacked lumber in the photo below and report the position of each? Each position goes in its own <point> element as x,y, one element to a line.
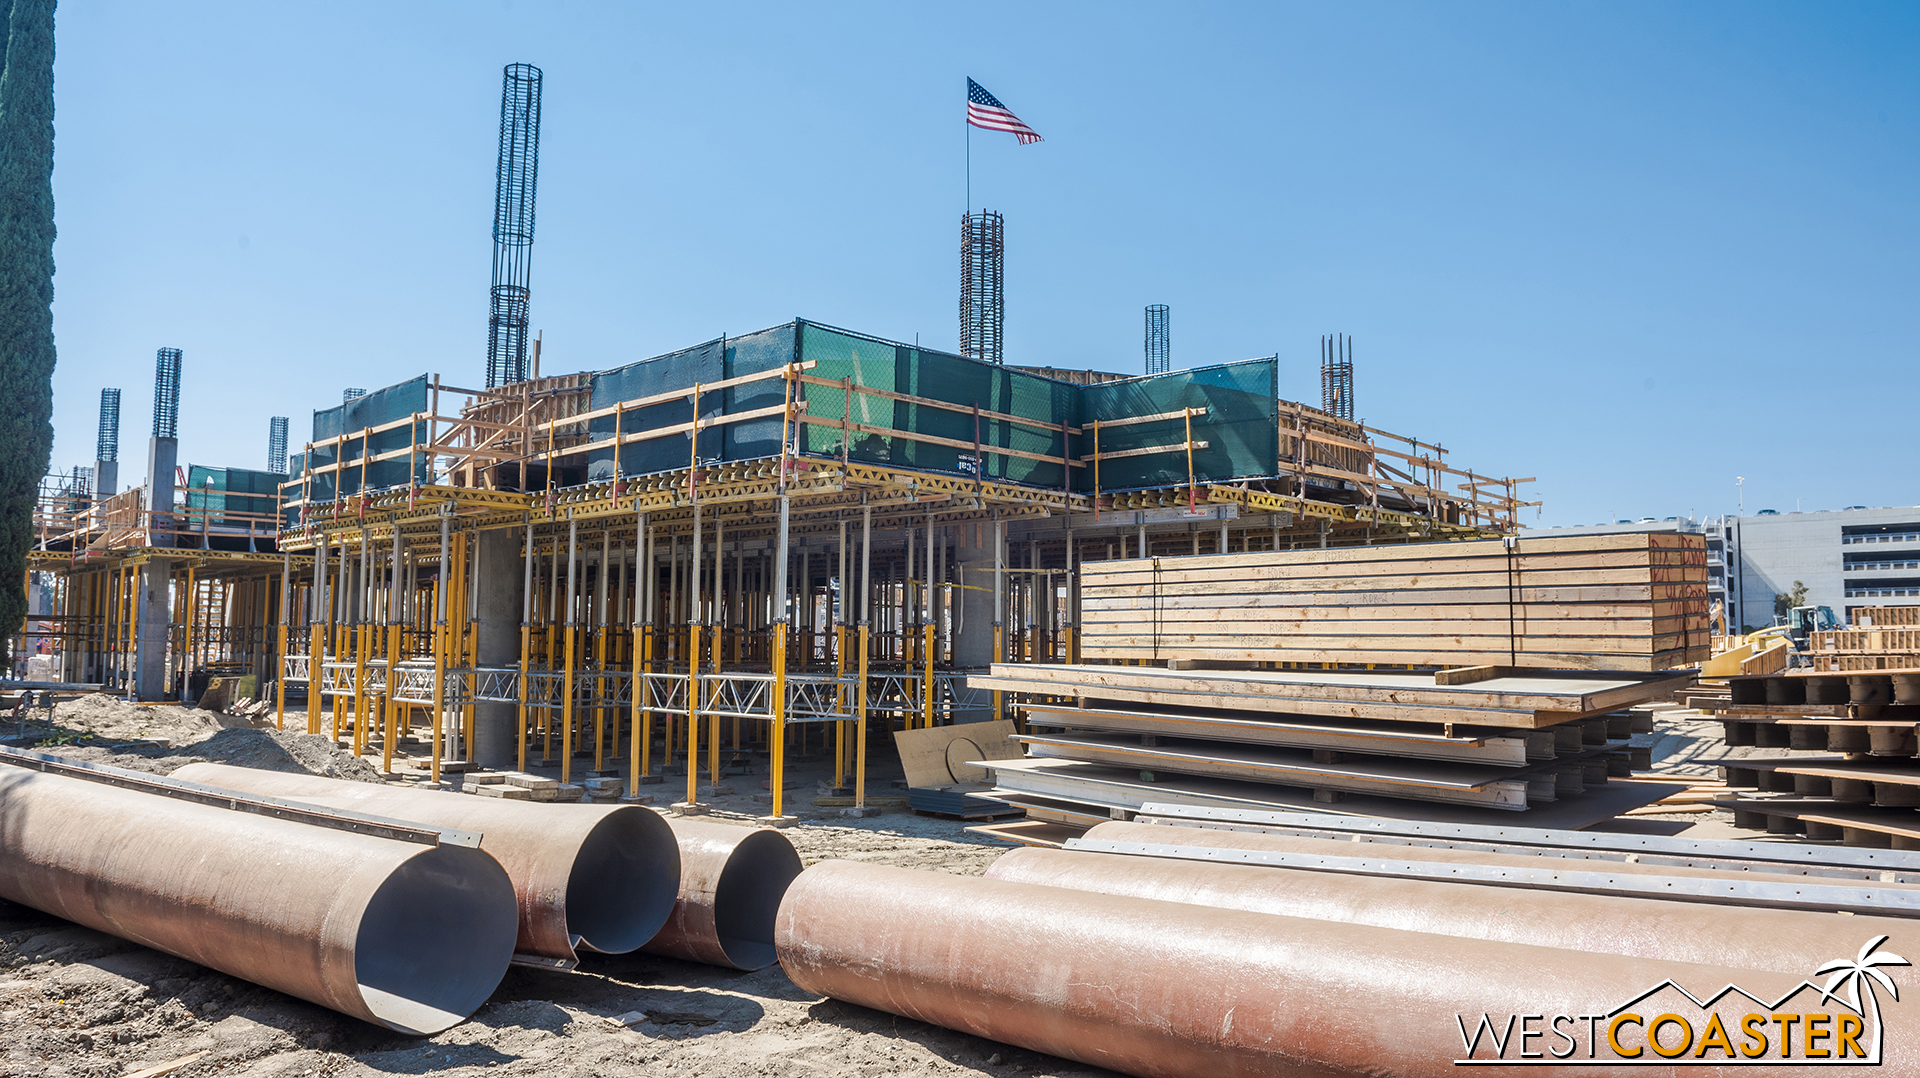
<point>1634,602</point>
<point>1863,649</point>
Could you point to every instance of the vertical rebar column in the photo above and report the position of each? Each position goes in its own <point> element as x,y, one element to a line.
<point>1159,341</point>
<point>982,280</point>
<point>277,445</point>
<point>108,445</point>
<point>515,180</point>
<point>166,393</point>
<point>1336,375</point>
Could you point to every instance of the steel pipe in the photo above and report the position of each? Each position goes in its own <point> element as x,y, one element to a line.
<point>1170,990</point>
<point>402,934</point>
<point>601,877</point>
<point>1784,940</point>
<point>731,883</point>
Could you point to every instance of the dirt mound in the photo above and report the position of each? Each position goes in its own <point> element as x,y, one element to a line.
<point>114,719</point>
<point>268,750</point>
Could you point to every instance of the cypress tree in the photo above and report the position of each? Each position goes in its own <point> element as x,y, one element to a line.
<point>26,290</point>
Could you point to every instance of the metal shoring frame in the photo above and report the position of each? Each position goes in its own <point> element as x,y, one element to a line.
<point>719,632</point>
<point>781,621</point>
<point>692,804</point>
<point>470,656</point>
<point>356,618</point>
<point>999,605</point>
<point>526,637</point>
<point>440,637</point>
<point>927,631</point>
<point>394,624</point>
<point>641,748</point>
<point>600,649</point>
<point>286,615</point>
<point>566,685</point>
<point>866,606</point>
<point>840,656</point>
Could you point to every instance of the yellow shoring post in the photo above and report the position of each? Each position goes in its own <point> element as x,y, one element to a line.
<point>526,638</point>
<point>391,710</point>
<point>719,625</point>
<point>550,611</point>
<point>600,652</point>
<point>781,616</point>
<point>440,636</point>
<point>999,603</point>
<point>641,728</point>
<point>316,634</point>
<point>280,652</point>
<point>566,683</point>
<point>362,633</point>
<point>860,715</point>
<point>470,643</point>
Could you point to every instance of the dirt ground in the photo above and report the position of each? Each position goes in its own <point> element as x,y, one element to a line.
<point>78,1002</point>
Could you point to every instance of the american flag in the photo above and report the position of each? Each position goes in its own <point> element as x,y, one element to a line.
<point>985,110</point>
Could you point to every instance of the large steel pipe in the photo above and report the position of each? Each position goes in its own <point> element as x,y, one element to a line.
<point>602,877</point>
<point>1785,940</point>
<point>731,883</point>
<point>1169,990</point>
<point>403,934</point>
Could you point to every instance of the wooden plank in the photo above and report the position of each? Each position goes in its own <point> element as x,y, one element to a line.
<point>937,756</point>
<point>1527,691</point>
<point>1485,750</point>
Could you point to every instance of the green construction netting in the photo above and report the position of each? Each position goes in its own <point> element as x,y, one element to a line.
<point>950,435</point>
<point>1240,427</point>
<point>371,410</point>
<point>724,358</point>
<point>212,493</point>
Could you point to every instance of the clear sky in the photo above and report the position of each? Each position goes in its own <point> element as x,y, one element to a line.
<point>1632,249</point>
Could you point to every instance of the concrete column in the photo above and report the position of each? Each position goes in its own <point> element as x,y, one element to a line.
<point>973,633</point>
<point>106,478</point>
<point>152,616</point>
<point>163,457</point>
<point>501,591</point>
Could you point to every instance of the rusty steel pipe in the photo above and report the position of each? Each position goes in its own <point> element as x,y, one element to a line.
<point>405,935</point>
<point>1169,990</point>
<point>731,883</point>
<point>1783,940</point>
<point>601,877</point>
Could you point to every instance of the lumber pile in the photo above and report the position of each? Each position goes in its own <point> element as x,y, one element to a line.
<point>1885,638</point>
<point>1635,602</point>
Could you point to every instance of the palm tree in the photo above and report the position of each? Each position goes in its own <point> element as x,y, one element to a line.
<point>1863,970</point>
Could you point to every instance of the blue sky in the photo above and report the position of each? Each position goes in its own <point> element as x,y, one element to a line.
<point>1634,250</point>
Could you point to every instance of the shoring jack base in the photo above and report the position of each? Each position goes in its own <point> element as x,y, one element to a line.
<point>690,808</point>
